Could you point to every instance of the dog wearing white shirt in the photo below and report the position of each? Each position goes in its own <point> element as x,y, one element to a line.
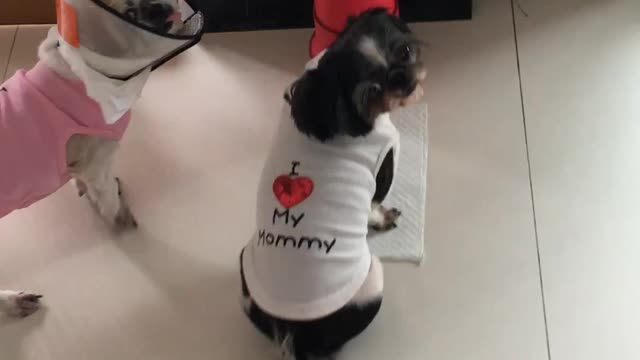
<point>309,281</point>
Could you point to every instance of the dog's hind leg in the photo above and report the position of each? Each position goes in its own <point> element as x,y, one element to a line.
<point>90,161</point>
<point>18,303</point>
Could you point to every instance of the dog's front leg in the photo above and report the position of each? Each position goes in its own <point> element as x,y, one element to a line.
<point>90,161</point>
<point>380,217</point>
<point>19,303</point>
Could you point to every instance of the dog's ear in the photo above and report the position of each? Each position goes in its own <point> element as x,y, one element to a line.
<point>368,98</point>
<point>323,101</point>
<point>317,107</point>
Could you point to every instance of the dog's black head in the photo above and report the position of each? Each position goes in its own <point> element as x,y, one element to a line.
<point>373,67</point>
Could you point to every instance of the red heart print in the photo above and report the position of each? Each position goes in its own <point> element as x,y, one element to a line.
<point>291,192</point>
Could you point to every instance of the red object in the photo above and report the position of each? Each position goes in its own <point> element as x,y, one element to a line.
<point>292,191</point>
<point>330,17</point>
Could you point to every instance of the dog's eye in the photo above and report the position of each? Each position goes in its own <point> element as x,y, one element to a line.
<point>374,91</point>
<point>404,53</point>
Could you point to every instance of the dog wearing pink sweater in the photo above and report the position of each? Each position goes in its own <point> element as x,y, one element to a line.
<point>52,131</point>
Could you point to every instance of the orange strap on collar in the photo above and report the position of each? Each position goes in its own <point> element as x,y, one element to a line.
<point>67,20</point>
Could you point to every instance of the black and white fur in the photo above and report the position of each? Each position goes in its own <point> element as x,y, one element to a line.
<point>373,67</point>
<point>89,158</point>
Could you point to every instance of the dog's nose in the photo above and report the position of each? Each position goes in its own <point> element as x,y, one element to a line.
<point>156,13</point>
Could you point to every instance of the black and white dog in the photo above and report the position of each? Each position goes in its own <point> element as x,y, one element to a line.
<point>309,282</point>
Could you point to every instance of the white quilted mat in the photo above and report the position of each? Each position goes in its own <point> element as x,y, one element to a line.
<point>409,192</point>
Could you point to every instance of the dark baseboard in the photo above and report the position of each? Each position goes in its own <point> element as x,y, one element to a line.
<point>244,15</point>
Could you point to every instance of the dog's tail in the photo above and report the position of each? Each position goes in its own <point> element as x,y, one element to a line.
<point>292,349</point>
<point>287,346</point>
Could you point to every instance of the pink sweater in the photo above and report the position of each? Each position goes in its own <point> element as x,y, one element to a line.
<point>39,112</point>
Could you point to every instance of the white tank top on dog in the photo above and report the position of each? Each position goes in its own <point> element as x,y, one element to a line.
<point>309,255</point>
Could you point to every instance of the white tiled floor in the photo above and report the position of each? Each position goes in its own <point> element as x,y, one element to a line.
<point>193,152</point>
<point>581,84</point>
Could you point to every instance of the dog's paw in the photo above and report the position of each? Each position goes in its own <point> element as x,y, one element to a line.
<point>390,216</point>
<point>124,219</point>
<point>383,219</point>
<point>23,304</point>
